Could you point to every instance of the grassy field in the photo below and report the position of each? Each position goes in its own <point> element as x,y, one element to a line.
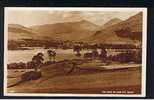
<point>83,79</point>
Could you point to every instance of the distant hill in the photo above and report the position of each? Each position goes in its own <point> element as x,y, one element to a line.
<point>111,22</point>
<point>114,33</point>
<point>67,30</point>
<point>19,32</point>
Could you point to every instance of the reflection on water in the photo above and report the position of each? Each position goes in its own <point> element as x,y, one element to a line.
<point>26,55</point>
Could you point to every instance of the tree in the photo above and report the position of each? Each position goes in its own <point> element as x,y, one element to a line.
<point>52,55</point>
<point>77,49</point>
<point>103,54</point>
<point>95,53</point>
<point>37,60</point>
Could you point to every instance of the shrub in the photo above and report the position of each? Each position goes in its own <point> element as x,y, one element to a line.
<point>122,57</point>
<point>129,56</point>
<point>137,56</point>
<point>32,75</point>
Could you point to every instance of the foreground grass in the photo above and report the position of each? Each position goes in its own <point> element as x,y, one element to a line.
<point>56,80</point>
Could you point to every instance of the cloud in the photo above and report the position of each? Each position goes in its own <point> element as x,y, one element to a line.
<point>36,17</point>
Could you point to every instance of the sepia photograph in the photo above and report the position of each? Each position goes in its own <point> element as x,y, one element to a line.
<point>75,51</point>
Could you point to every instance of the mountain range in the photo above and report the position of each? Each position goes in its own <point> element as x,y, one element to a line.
<point>80,31</point>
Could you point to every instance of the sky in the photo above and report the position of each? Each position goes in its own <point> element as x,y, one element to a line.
<point>37,17</point>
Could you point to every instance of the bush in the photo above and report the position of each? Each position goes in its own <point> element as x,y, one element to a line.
<point>78,54</point>
<point>32,75</point>
<point>137,56</point>
<point>19,65</point>
<point>130,56</point>
<point>122,57</point>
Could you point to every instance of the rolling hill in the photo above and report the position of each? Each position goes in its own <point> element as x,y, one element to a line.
<point>111,22</point>
<point>18,32</point>
<point>67,30</point>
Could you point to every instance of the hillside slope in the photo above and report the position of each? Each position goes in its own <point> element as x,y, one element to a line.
<point>109,35</point>
<point>19,32</point>
<point>67,30</point>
